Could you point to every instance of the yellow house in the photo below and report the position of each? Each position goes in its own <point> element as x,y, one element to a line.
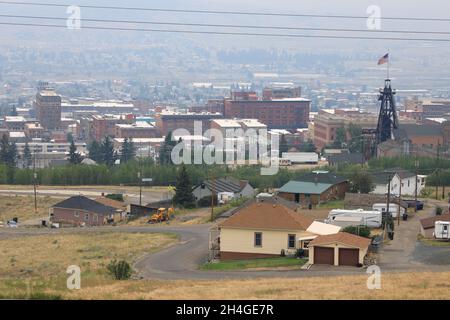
<point>263,230</point>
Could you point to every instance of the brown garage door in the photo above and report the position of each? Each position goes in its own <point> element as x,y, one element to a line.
<point>323,255</point>
<point>348,257</point>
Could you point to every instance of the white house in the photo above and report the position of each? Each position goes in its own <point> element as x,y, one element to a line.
<point>226,185</point>
<point>402,183</point>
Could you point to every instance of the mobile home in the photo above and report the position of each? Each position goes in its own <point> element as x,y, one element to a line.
<point>441,230</point>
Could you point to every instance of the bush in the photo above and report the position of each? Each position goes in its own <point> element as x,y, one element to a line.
<point>120,270</point>
<point>439,211</point>
<point>206,202</point>
<point>362,231</point>
<point>300,253</point>
<point>115,196</point>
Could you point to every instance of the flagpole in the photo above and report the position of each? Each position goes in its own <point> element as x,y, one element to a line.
<point>388,64</point>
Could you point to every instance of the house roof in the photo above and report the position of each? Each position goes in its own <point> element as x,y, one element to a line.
<point>343,238</point>
<point>305,187</point>
<point>322,177</point>
<point>226,184</point>
<point>428,223</point>
<point>408,130</point>
<point>267,216</point>
<point>111,202</point>
<point>383,177</point>
<point>84,203</point>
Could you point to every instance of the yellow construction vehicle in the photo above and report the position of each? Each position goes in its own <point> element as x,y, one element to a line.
<point>163,214</point>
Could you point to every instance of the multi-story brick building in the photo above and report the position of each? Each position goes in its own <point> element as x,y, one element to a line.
<point>435,108</point>
<point>105,125</point>
<point>168,121</point>
<point>140,129</point>
<point>276,114</point>
<point>48,108</point>
<point>327,121</point>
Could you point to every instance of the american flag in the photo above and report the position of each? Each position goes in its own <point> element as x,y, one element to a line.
<point>384,59</point>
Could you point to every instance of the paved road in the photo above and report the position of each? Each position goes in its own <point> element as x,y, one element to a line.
<point>133,197</point>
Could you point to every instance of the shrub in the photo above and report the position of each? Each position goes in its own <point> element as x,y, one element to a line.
<point>206,202</point>
<point>362,231</point>
<point>115,196</point>
<point>438,211</point>
<point>120,270</point>
<point>300,253</point>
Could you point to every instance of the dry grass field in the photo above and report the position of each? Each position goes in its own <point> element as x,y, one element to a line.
<point>40,262</point>
<point>394,286</point>
<point>22,207</point>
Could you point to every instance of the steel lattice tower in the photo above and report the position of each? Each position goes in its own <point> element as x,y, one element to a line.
<point>387,120</point>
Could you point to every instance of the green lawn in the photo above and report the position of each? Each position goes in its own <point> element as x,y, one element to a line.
<point>333,204</point>
<point>255,263</point>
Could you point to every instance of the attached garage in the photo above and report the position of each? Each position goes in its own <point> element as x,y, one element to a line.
<point>323,255</point>
<point>340,249</point>
<point>348,257</point>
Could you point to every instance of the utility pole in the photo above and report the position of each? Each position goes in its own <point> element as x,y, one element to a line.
<point>34,181</point>
<point>213,187</point>
<point>139,175</point>
<point>416,165</point>
<point>437,172</point>
<point>388,204</point>
<point>399,199</point>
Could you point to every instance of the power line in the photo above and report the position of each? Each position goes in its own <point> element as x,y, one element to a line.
<point>278,35</point>
<point>229,25</point>
<point>280,14</point>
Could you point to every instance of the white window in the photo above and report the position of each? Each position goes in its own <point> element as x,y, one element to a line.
<point>86,216</point>
<point>306,245</point>
<point>76,214</point>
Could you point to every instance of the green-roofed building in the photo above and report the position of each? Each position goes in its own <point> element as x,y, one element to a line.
<point>314,188</point>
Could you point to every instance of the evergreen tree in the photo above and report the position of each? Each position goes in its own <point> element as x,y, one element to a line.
<point>128,151</point>
<point>283,145</point>
<point>27,158</point>
<point>74,156</point>
<point>340,138</point>
<point>124,151</point>
<point>8,152</point>
<point>308,146</point>
<point>131,149</point>
<point>95,152</point>
<point>108,155</point>
<point>166,150</point>
<point>183,191</point>
<point>4,147</point>
<point>356,142</point>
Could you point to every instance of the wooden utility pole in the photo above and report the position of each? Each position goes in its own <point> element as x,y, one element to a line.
<point>139,175</point>
<point>34,182</point>
<point>437,172</point>
<point>388,204</point>
<point>399,199</point>
<point>416,165</point>
<point>213,191</point>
